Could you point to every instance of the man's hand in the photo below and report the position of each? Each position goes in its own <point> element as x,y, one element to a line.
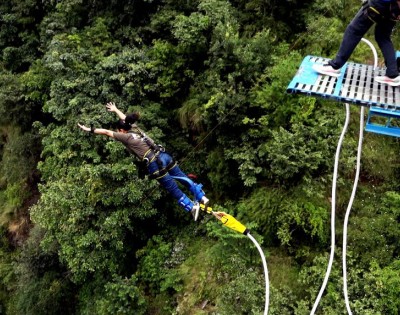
<point>83,127</point>
<point>97,131</point>
<point>111,107</point>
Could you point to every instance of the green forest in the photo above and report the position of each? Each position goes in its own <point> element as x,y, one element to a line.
<point>84,230</point>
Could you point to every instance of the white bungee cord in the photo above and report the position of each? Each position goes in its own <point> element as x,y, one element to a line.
<point>353,193</point>
<point>333,209</point>
<point>359,150</point>
<point>265,272</point>
<point>346,219</point>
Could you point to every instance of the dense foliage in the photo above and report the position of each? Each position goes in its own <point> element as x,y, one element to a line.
<point>82,231</point>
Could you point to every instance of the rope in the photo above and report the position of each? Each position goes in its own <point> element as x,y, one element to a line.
<point>334,182</point>
<point>265,272</point>
<point>208,134</point>
<point>346,219</point>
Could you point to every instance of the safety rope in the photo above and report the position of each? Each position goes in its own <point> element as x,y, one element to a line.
<point>333,209</point>
<point>353,193</point>
<point>208,134</point>
<point>265,272</point>
<point>346,219</point>
<point>230,222</point>
<point>349,206</point>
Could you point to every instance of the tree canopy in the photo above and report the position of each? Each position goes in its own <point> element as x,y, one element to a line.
<point>84,231</point>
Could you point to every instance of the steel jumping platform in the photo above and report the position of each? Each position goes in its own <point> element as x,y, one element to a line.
<point>355,85</point>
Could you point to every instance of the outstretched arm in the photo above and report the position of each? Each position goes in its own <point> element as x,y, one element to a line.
<point>98,131</point>
<point>111,107</point>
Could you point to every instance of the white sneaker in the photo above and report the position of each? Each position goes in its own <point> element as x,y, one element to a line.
<point>326,69</point>
<point>204,200</point>
<point>195,211</point>
<point>386,80</point>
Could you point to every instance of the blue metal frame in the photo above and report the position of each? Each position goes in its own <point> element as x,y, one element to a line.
<point>386,129</point>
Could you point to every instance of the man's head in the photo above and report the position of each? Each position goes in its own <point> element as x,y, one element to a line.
<point>126,125</point>
<point>122,126</point>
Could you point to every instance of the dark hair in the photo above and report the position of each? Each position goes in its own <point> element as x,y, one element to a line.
<point>121,124</point>
<point>132,118</point>
<point>127,123</point>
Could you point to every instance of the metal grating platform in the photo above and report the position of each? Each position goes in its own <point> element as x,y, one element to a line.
<point>355,85</point>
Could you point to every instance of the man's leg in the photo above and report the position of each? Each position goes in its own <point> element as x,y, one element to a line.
<point>383,32</point>
<point>184,201</point>
<point>171,186</point>
<point>194,188</point>
<point>352,36</point>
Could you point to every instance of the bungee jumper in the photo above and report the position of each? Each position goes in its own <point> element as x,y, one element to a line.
<point>160,165</point>
<point>382,13</point>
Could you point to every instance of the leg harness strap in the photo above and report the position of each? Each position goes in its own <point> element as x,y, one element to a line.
<point>161,173</point>
<point>150,156</point>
